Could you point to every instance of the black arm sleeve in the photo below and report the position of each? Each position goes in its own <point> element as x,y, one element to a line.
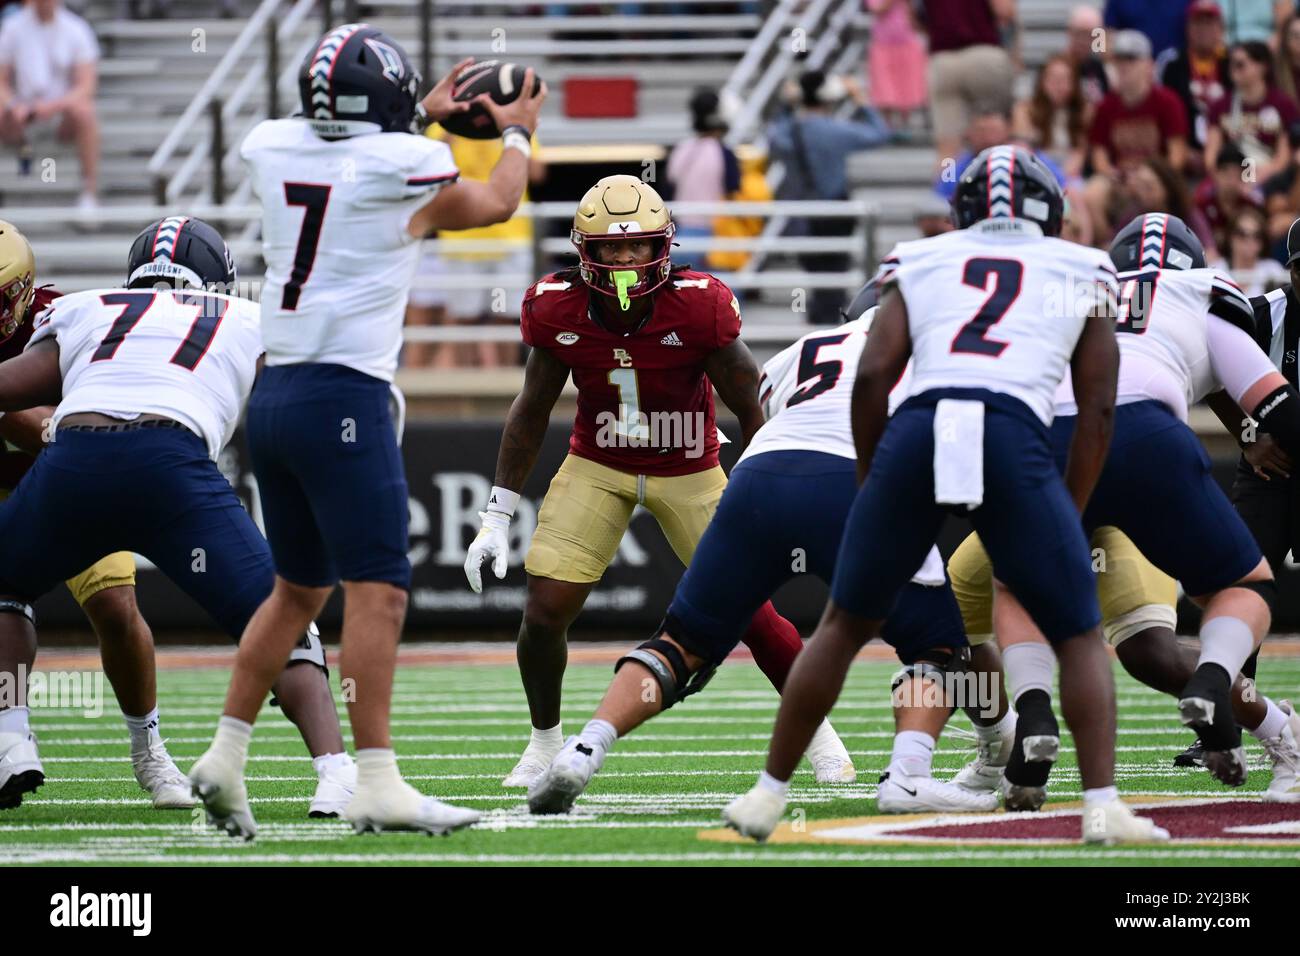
<point>1279,415</point>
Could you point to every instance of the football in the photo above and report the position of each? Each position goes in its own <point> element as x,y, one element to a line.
<point>502,80</point>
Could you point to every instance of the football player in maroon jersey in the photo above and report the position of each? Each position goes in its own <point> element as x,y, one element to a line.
<point>646,344</point>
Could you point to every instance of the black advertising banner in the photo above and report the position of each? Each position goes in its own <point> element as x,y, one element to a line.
<point>449,468</point>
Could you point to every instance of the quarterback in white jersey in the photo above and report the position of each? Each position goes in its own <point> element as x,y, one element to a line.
<point>347,192</point>
<point>152,379</point>
<point>1185,332</point>
<point>990,316</point>
<point>789,495</point>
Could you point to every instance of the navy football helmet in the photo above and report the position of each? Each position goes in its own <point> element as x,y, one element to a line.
<point>180,252</point>
<point>1008,182</point>
<point>1156,240</point>
<point>358,74</point>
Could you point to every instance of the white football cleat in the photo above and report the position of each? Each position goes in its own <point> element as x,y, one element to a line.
<point>829,757</point>
<point>1284,752</point>
<point>755,814</point>
<point>903,794</point>
<point>1113,823</point>
<point>158,776</point>
<point>536,758</point>
<point>565,779</point>
<point>20,768</point>
<point>984,773</point>
<point>405,808</point>
<point>335,786</point>
<point>221,788</point>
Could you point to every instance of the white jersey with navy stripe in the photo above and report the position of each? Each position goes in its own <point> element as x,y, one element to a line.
<point>998,306</point>
<point>1181,335</point>
<point>188,356</point>
<point>339,259</point>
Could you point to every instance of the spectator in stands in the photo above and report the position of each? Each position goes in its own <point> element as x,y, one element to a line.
<point>1253,20</point>
<point>1150,186</point>
<point>815,147</point>
<point>477,300</point>
<point>1055,119</point>
<point>1223,193</point>
<point>1137,119</point>
<point>1163,22</point>
<point>48,72</point>
<point>896,62</point>
<point>970,72</point>
<point>1256,116</point>
<point>1199,74</point>
<point>1248,261</point>
<point>1288,57</point>
<point>702,168</point>
<point>1282,199</point>
<point>986,128</point>
<point>1085,39</point>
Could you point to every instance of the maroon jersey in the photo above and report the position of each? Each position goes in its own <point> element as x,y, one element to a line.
<point>14,462</point>
<point>627,381</point>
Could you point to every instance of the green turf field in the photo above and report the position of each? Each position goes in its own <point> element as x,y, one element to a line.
<point>460,727</point>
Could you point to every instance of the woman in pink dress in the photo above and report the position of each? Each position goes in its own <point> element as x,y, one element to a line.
<point>896,61</point>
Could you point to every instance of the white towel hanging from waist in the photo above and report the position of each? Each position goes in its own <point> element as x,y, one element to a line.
<point>959,452</point>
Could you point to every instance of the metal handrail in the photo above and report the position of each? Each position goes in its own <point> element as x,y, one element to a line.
<point>208,92</point>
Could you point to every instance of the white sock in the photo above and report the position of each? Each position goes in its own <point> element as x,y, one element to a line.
<point>600,734</point>
<point>913,753</point>
<point>1228,642</point>
<point>1003,728</point>
<point>144,730</point>
<point>14,721</point>
<point>552,738</point>
<point>1272,724</point>
<point>377,767</point>
<point>768,782</point>
<point>231,740</point>
<point>1100,795</point>
<point>329,762</point>
<point>1030,666</point>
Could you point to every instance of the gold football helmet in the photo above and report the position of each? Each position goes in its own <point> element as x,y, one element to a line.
<point>622,207</point>
<point>17,279</point>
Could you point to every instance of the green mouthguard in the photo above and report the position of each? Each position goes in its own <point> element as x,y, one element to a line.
<point>624,279</point>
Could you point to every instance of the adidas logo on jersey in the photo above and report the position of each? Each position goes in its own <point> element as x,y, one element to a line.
<point>671,339</point>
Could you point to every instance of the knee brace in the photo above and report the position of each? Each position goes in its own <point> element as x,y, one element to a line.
<point>14,606</point>
<point>309,649</point>
<point>675,679</point>
<point>935,663</point>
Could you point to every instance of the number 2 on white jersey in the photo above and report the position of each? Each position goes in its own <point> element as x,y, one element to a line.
<point>629,404</point>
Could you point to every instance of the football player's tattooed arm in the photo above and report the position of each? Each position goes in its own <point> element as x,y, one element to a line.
<point>525,429</point>
<point>884,357</point>
<point>1094,368</point>
<point>735,374</point>
<point>31,379</point>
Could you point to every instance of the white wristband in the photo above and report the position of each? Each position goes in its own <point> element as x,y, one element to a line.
<point>514,139</point>
<point>502,500</point>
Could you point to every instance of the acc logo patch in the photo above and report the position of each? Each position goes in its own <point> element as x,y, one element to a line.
<point>566,338</point>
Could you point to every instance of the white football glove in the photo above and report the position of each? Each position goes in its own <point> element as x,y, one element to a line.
<point>492,542</point>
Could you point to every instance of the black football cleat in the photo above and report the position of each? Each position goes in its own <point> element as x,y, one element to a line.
<point>1037,744</point>
<point>1193,756</point>
<point>1205,705</point>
